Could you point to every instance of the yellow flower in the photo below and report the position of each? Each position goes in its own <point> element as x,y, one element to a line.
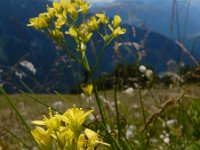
<point>79,2</point>
<point>51,12</point>
<point>84,33</point>
<point>72,11</point>
<point>57,34</point>
<point>52,123</point>
<point>81,142</point>
<point>116,21</point>
<point>64,4</point>
<point>84,7</point>
<point>93,24</point>
<point>73,32</point>
<point>43,138</point>
<point>40,22</point>
<point>93,139</point>
<point>57,6</point>
<point>33,22</point>
<point>74,118</point>
<point>102,18</point>
<point>117,31</point>
<point>61,20</point>
<point>88,89</point>
<point>64,136</point>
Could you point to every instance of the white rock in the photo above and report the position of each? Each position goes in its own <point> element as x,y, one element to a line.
<point>129,91</point>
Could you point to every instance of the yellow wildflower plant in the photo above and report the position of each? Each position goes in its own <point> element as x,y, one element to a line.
<point>66,131</point>
<point>88,89</point>
<point>62,16</point>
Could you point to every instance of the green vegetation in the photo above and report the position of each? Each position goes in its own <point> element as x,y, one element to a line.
<point>166,114</point>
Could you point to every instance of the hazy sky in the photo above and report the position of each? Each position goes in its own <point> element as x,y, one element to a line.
<point>100,1</point>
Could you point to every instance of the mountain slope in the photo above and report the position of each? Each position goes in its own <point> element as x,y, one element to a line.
<point>54,69</point>
<point>157,15</point>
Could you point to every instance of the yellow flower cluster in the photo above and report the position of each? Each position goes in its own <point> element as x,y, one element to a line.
<point>64,132</point>
<point>62,18</point>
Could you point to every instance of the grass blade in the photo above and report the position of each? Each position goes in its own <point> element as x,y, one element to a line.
<point>35,97</point>
<point>25,145</point>
<point>39,101</point>
<point>13,106</point>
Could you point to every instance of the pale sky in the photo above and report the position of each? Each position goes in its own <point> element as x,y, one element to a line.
<point>93,1</point>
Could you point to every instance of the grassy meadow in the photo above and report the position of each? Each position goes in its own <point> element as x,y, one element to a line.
<point>169,121</point>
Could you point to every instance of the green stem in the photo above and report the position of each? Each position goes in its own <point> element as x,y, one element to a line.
<point>71,54</point>
<point>25,145</point>
<point>99,103</point>
<point>87,68</point>
<point>102,113</point>
<point>101,54</point>
<point>142,106</point>
<point>117,111</point>
<point>13,106</point>
<point>143,115</point>
<point>85,62</point>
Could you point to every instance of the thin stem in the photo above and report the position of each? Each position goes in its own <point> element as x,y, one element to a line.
<point>117,110</point>
<point>98,100</point>
<point>142,106</point>
<point>13,106</point>
<point>143,115</point>
<point>32,96</point>
<point>101,110</point>
<point>20,140</point>
<point>100,55</point>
